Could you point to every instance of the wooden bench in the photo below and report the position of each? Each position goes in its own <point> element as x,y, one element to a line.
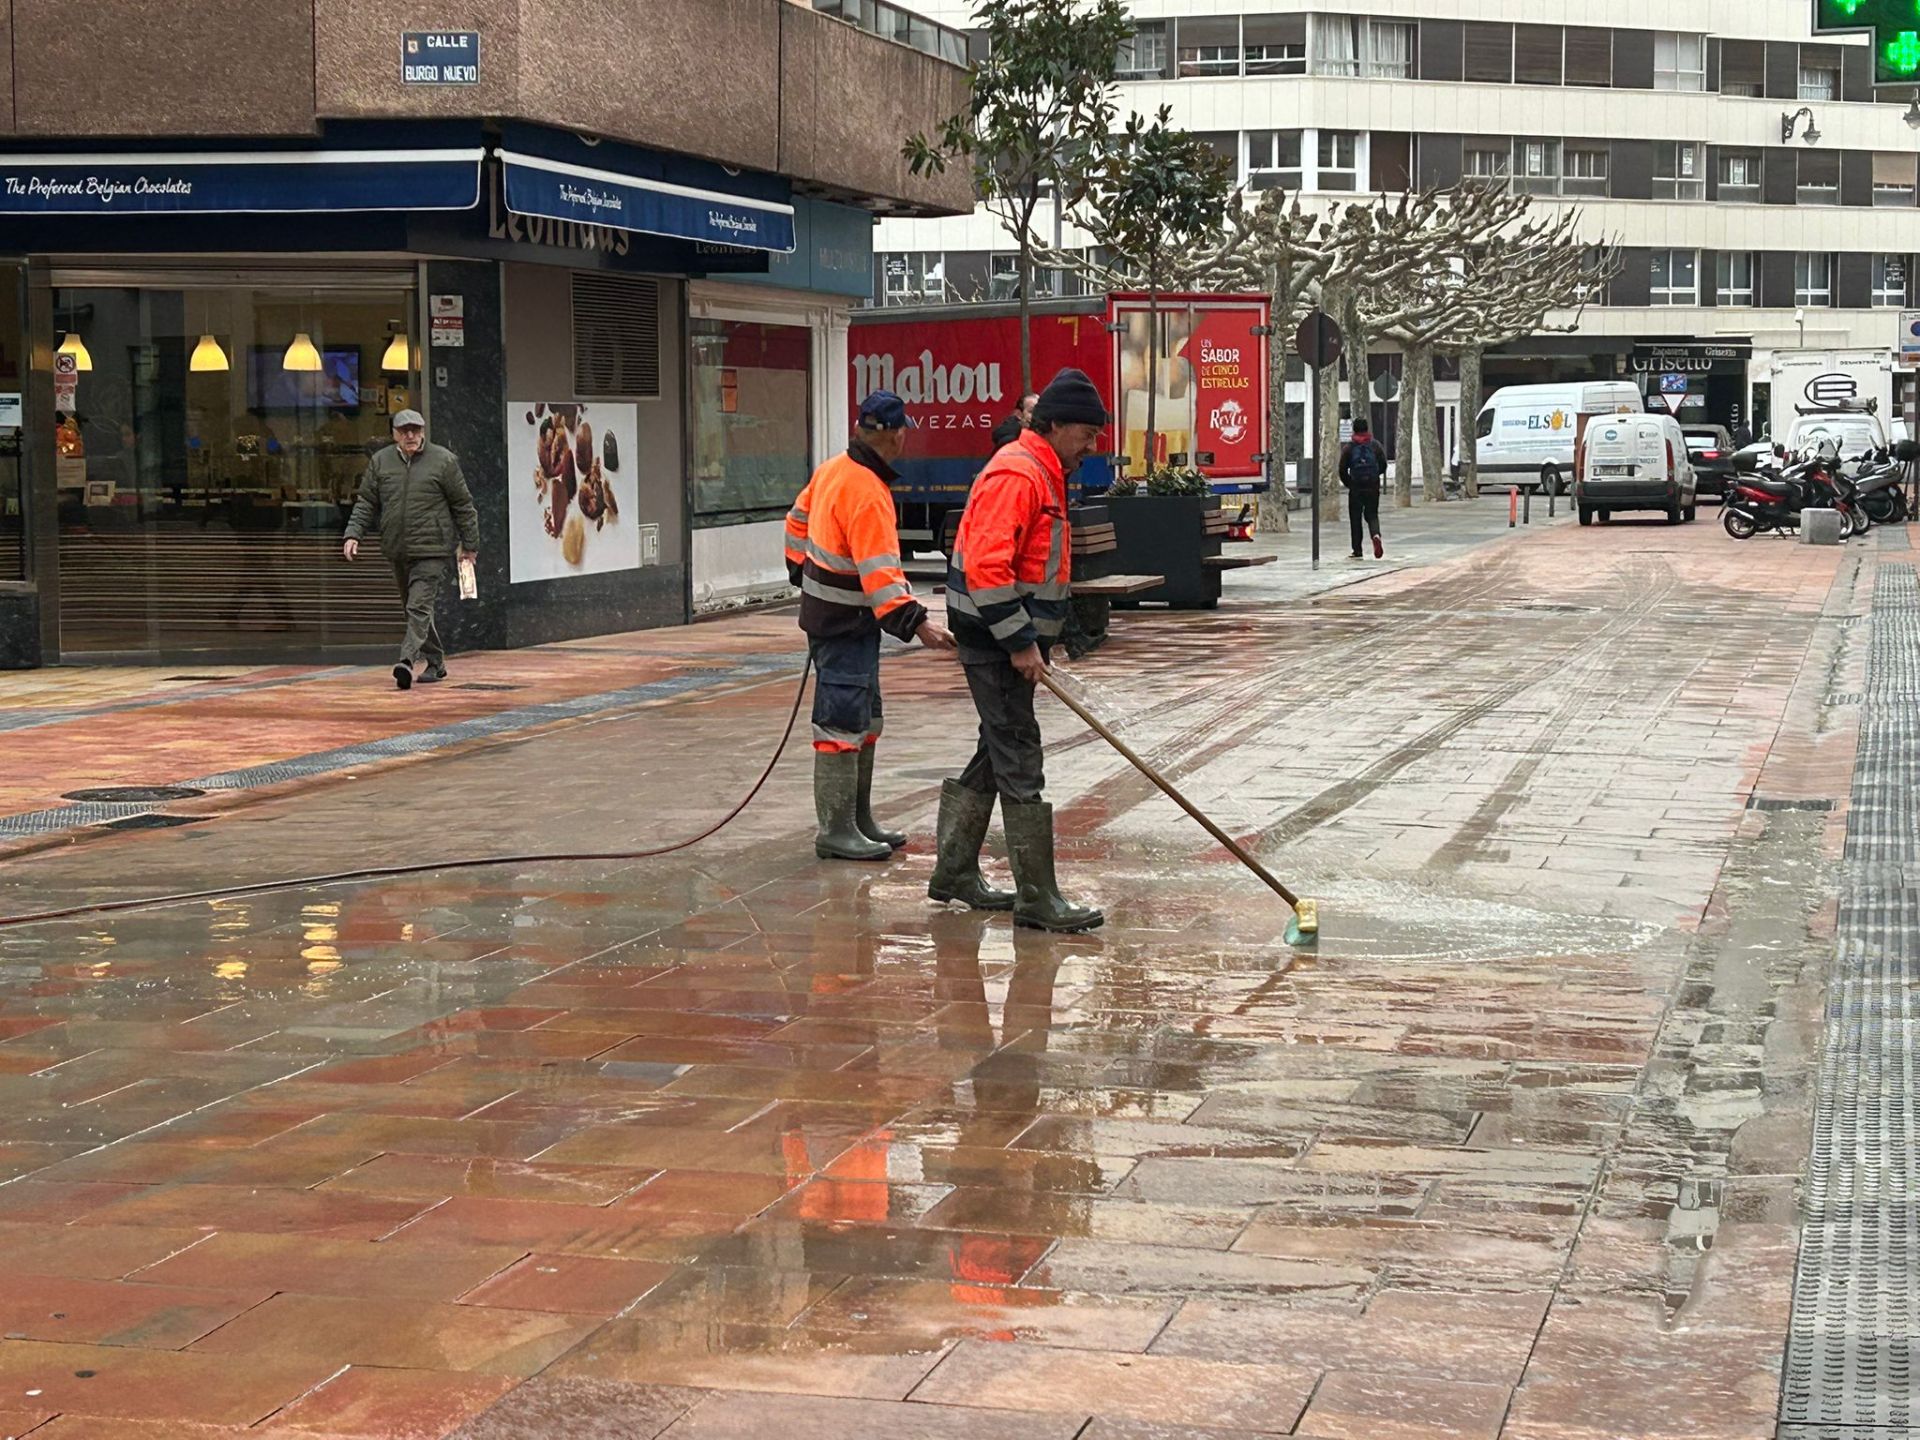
<point>1109,586</point>
<point>1236,562</point>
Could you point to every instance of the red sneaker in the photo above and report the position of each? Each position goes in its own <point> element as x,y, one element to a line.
<point>1379,550</point>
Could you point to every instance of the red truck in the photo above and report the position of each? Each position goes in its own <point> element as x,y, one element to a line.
<point>958,369</point>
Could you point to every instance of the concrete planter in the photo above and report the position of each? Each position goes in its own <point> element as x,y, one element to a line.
<point>1170,535</point>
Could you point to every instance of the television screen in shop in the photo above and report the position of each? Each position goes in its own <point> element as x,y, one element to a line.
<point>273,389</point>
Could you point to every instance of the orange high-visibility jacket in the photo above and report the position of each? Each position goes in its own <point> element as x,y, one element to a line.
<point>843,551</point>
<point>1008,579</point>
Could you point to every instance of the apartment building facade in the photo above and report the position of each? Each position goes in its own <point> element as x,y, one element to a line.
<point>1765,197</point>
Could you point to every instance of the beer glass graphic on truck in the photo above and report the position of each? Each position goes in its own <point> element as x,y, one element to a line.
<point>1173,407</point>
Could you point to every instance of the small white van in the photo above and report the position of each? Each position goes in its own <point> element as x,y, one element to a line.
<point>1635,462</point>
<point>1530,430</point>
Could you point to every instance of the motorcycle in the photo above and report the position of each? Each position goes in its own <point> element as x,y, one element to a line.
<point>1883,482</point>
<point>1760,501</point>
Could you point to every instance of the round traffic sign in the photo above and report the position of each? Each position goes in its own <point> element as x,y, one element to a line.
<point>1318,340</point>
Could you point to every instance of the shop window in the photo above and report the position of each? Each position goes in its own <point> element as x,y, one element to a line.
<point>752,439</point>
<point>1813,279</point>
<point>616,336</point>
<point>1889,281</point>
<point>1679,62</point>
<point>209,454</point>
<point>1739,179</point>
<point>1679,170</point>
<point>13,554</point>
<point>1676,278</point>
<point>1733,277</point>
<point>1273,159</point>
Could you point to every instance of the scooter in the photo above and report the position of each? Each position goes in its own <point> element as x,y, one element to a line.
<point>1758,502</point>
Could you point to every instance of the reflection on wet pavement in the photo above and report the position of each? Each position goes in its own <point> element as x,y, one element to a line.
<point>738,1144</point>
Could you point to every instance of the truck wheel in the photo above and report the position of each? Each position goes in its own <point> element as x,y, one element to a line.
<point>1586,514</point>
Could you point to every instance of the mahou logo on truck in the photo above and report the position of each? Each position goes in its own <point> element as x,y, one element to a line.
<point>922,382</point>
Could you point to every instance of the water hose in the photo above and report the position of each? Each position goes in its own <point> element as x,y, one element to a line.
<point>1304,927</point>
<point>425,867</point>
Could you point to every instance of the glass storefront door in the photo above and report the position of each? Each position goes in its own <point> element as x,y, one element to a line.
<point>13,384</point>
<point>208,442</point>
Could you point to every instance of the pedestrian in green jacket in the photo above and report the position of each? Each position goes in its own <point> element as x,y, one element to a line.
<point>417,496</point>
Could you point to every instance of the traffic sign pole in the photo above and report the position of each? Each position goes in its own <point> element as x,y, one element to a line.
<point>1318,342</point>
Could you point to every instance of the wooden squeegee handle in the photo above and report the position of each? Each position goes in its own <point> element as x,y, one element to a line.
<point>1234,846</point>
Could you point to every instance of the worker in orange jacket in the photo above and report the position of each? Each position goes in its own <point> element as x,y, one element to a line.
<point>1008,586</point>
<point>843,551</point>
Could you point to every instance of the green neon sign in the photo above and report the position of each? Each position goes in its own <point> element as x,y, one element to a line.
<point>1894,26</point>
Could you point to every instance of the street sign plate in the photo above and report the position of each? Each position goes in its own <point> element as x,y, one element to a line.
<point>1318,341</point>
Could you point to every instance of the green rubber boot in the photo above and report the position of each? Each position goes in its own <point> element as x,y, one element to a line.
<point>836,784</point>
<point>1040,905</point>
<point>964,816</point>
<point>863,807</point>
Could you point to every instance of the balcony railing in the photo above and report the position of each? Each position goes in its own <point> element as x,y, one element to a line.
<point>890,22</point>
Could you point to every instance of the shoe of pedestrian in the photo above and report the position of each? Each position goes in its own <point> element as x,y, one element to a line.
<point>1379,550</point>
<point>836,784</point>
<point>1040,905</point>
<point>402,675</point>
<point>964,816</point>
<point>433,674</point>
<point>863,806</point>
<point>1356,556</point>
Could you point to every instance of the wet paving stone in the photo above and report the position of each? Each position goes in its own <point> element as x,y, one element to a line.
<point>738,1143</point>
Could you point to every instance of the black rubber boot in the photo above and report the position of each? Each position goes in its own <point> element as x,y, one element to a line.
<point>836,783</point>
<point>863,806</point>
<point>964,816</point>
<point>1040,905</point>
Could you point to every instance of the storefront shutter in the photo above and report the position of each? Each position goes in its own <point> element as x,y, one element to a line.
<point>616,336</point>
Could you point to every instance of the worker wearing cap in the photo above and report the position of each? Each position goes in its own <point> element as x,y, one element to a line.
<point>1007,598</point>
<point>843,551</point>
<point>414,492</point>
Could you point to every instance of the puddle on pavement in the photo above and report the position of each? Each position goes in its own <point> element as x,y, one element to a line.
<point>1392,920</point>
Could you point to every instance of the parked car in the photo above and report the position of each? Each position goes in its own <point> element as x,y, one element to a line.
<point>1710,448</point>
<point>1635,462</point>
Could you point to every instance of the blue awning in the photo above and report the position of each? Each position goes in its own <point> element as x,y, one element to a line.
<point>561,190</point>
<point>241,182</point>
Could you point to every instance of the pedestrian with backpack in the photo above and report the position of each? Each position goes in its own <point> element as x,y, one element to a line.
<point>1363,465</point>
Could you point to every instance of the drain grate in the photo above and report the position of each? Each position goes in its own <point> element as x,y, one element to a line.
<point>150,821</point>
<point>1765,802</point>
<point>485,685</point>
<point>1853,1346</point>
<point>134,794</point>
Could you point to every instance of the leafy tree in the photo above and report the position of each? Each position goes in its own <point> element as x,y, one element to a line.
<point>1035,125</point>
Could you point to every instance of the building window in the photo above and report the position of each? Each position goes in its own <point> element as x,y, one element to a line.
<point>914,277</point>
<point>1733,272</point>
<point>1339,160</point>
<point>1743,67</point>
<point>1819,80</point>
<point>1589,56</point>
<point>1676,277</point>
<point>1536,166</point>
<point>1679,170</point>
<point>1893,180</point>
<point>1003,277</point>
<point>752,418</point>
<point>1584,170</point>
<point>1486,162</point>
<point>1818,178</point>
<point>1812,279</point>
<point>1273,160</point>
<point>1354,45</point>
<point>1143,56</point>
<point>1277,58</point>
<point>1739,180</point>
<point>1209,60</point>
<point>1679,62</point>
<point>1890,281</point>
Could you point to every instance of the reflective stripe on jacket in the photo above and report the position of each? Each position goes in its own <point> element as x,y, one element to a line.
<point>843,551</point>
<point>1010,574</point>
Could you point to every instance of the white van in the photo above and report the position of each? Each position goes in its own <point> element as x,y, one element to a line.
<point>1530,430</point>
<point>1635,462</point>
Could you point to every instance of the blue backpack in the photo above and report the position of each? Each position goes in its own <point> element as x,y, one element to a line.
<point>1363,463</point>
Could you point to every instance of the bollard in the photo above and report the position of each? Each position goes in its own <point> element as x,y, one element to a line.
<point>1819,527</point>
<point>1553,493</point>
<point>1526,508</point>
<point>1513,507</point>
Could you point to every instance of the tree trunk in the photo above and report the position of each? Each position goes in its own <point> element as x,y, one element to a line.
<point>1470,420</point>
<point>1326,444</point>
<point>1283,438</point>
<point>1026,314</point>
<point>1419,388</point>
<point>1359,362</point>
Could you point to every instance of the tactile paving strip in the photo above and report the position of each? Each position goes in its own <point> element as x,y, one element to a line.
<point>1853,1346</point>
